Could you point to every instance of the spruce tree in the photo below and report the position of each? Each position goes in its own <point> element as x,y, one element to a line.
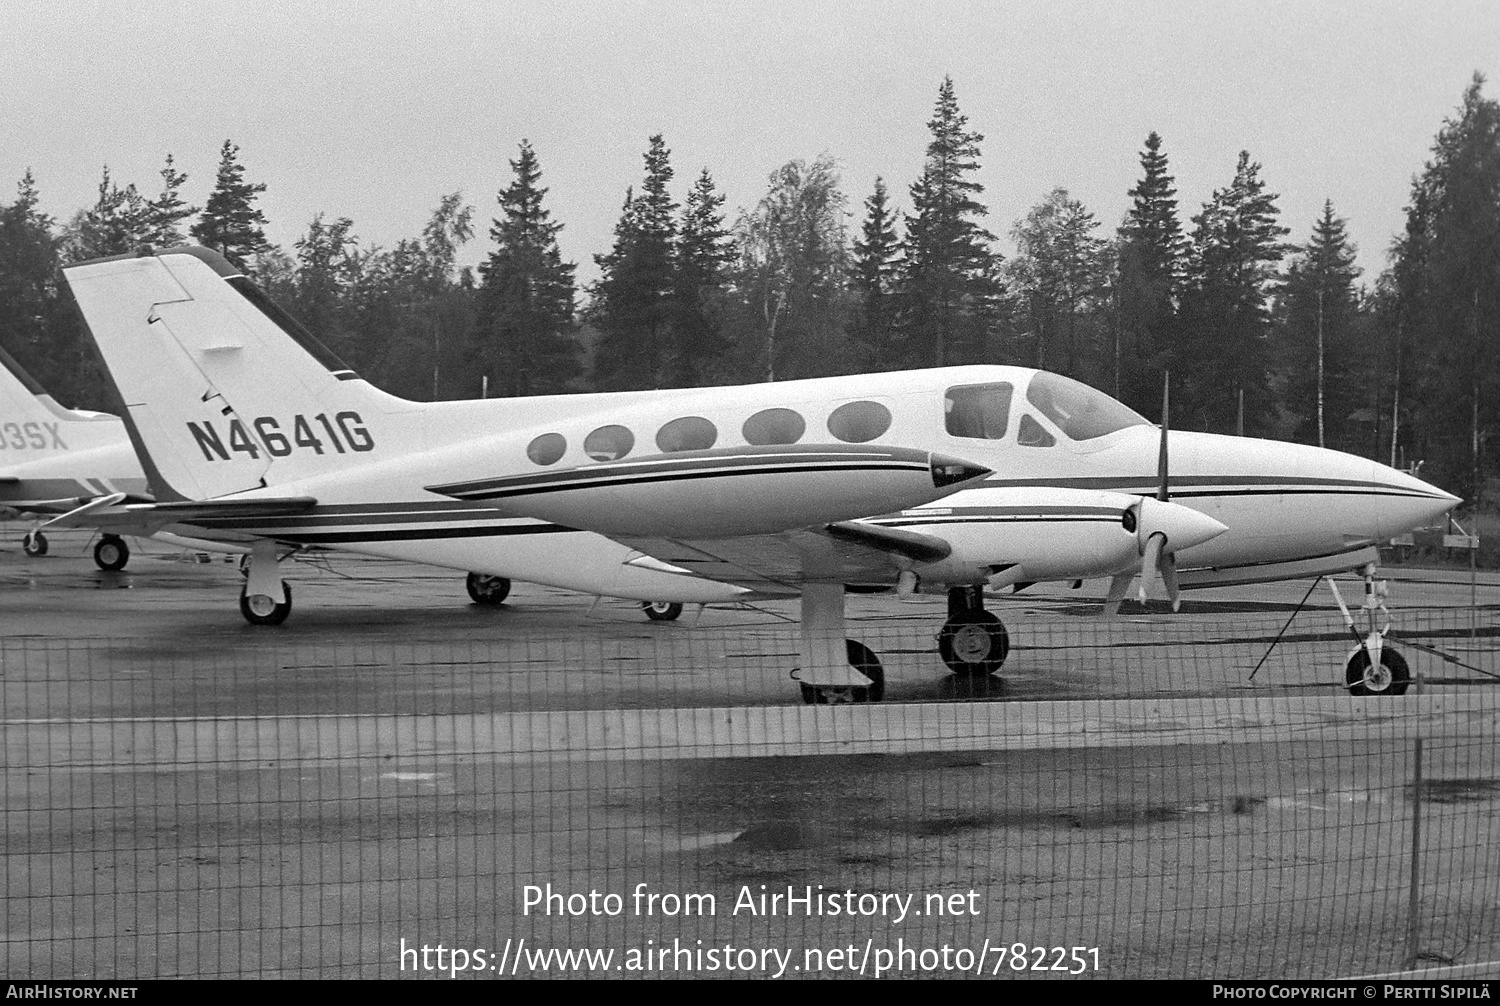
<point>1448,271</point>
<point>633,301</point>
<point>875,277</point>
<point>1221,349</point>
<point>231,223</point>
<point>1148,280</point>
<point>950,269</point>
<point>705,251</point>
<point>1319,307</point>
<point>525,330</point>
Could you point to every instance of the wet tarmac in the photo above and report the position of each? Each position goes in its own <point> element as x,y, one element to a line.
<point>187,795</point>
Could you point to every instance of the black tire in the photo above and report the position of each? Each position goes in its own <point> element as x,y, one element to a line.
<point>974,643</point>
<point>661,611</point>
<point>257,613</point>
<point>487,590</point>
<point>111,553</point>
<point>863,660</point>
<point>34,544</point>
<point>1394,680</point>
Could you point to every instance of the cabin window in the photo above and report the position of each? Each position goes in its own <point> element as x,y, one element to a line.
<point>774,426</point>
<point>690,433</point>
<point>859,422</point>
<point>1081,412</point>
<point>980,411</point>
<point>608,443</point>
<point>547,449</point>
<point>1032,434</point>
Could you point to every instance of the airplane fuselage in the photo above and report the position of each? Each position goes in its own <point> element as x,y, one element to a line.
<point>1056,445</point>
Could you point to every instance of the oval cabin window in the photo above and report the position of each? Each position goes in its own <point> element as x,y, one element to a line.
<point>859,422</point>
<point>690,433</point>
<point>547,449</point>
<point>774,426</point>
<point>608,443</point>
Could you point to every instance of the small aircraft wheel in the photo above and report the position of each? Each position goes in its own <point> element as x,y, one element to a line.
<point>486,589</point>
<point>260,609</point>
<point>1392,678</point>
<point>34,543</point>
<point>974,643</point>
<point>661,611</point>
<point>863,660</point>
<point>111,553</point>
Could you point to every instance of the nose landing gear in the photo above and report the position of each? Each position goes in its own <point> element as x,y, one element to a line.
<point>1373,668</point>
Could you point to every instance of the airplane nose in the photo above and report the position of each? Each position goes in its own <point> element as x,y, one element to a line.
<point>1421,503</point>
<point>1182,526</point>
<point>948,471</point>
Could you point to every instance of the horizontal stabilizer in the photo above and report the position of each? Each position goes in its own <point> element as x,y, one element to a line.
<point>147,518</point>
<point>85,514</point>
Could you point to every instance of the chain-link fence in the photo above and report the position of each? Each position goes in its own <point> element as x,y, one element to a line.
<point>564,792</point>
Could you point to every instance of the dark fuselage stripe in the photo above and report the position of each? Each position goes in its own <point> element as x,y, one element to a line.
<point>601,483</point>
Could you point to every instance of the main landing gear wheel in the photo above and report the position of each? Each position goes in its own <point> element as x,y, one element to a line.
<point>111,553</point>
<point>661,611</point>
<point>974,643</point>
<point>34,543</point>
<point>261,609</point>
<point>1392,677</point>
<point>863,660</point>
<point>486,589</point>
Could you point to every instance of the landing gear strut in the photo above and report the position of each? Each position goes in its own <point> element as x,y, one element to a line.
<point>265,599</point>
<point>973,642</point>
<point>111,553</point>
<point>834,669</point>
<point>1373,668</point>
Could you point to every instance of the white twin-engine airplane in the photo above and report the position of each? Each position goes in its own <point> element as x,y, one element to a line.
<point>251,431</point>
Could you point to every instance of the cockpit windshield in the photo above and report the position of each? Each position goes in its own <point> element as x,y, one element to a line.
<point>1081,412</point>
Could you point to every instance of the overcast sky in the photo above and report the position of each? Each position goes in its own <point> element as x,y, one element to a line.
<point>373,111</point>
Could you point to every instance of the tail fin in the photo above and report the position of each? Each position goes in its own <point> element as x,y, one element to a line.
<point>223,391</point>
<point>33,427</point>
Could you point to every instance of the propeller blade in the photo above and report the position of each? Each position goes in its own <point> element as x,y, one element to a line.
<point>1149,561</point>
<point>1161,457</point>
<point>1168,570</point>
<point>1119,584</point>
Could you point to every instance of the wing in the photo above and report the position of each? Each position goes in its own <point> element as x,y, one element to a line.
<point>842,552</point>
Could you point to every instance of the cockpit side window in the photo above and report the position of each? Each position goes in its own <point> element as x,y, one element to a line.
<point>1033,434</point>
<point>980,411</point>
<point>1081,412</point>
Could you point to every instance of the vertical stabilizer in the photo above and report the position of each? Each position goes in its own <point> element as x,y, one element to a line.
<point>224,392</point>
